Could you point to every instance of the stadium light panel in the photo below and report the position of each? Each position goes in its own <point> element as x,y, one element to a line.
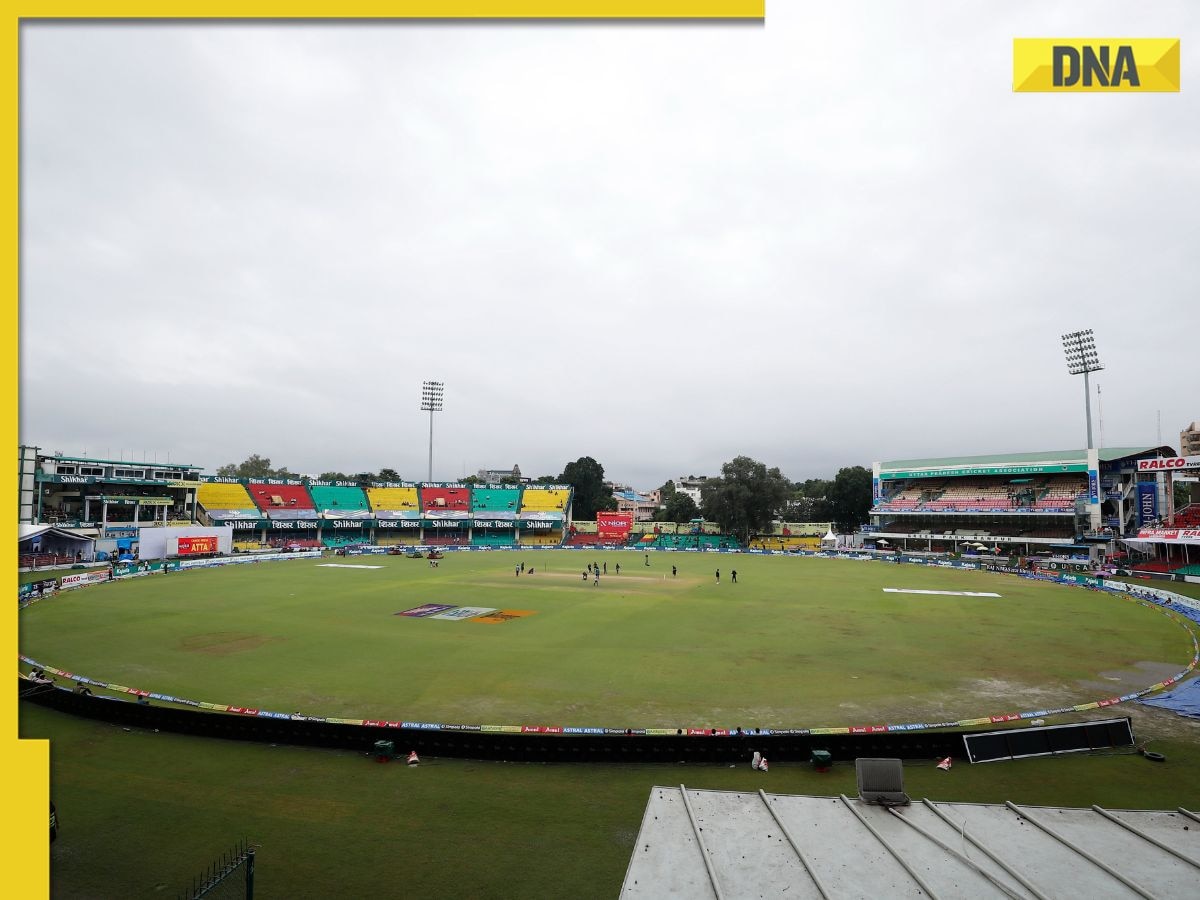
<point>1082,358</point>
<point>431,402</point>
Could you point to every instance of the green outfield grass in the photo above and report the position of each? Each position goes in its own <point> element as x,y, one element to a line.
<point>142,812</point>
<point>798,642</point>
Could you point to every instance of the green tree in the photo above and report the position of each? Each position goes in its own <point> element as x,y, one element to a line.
<point>1183,495</point>
<point>334,476</point>
<point>389,475</point>
<point>810,501</point>
<point>254,467</point>
<point>546,479</point>
<point>586,476</point>
<point>850,497</point>
<point>679,508</point>
<point>745,498</point>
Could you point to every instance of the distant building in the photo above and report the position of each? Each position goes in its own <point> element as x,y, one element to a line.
<point>690,485</point>
<point>492,476</point>
<point>1189,440</point>
<point>643,504</point>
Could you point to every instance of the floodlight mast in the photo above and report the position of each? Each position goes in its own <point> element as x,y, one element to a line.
<point>431,400</point>
<point>1082,359</point>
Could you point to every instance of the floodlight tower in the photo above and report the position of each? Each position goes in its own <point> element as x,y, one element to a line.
<point>1082,359</point>
<point>431,400</point>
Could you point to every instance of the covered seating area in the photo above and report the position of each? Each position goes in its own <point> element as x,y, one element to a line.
<point>39,546</point>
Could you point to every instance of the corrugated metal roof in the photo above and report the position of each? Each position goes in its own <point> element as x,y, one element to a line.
<point>26,531</point>
<point>696,843</point>
<point>1067,457</point>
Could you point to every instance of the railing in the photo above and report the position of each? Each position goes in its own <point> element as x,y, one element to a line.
<point>220,872</point>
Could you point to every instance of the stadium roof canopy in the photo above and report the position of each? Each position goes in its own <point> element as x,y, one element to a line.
<point>697,843</point>
<point>1043,460</point>
<point>25,531</point>
<point>26,534</point>
<point>144,464</point>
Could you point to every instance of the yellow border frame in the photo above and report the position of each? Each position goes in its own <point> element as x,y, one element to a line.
<point>409,9</point>
<point>26,860</point>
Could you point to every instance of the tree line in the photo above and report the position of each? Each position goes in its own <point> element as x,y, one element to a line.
<point>744,500</point>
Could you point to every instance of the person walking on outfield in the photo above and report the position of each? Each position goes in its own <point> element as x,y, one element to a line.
<point>618,568</point>
<point>647,559</point>
<point>718,576</point>
<point>733,574</point>
<point>517,571</point>
<point>673,571</point>
<point>597,580</point>
<point>606,567</point>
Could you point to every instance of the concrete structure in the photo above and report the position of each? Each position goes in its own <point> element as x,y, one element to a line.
<point>642,505</point>
<point>1022,502</point>
<point>1189,440</point>
<point>103,495</point>
<point>690,485</point>
<point>495,476</point>
<point>696,843</point>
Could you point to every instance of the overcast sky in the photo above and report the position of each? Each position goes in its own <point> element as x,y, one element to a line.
<point>833,238</point>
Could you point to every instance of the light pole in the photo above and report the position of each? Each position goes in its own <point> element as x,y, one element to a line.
<point>1082,359</point>
<point>431,400</point>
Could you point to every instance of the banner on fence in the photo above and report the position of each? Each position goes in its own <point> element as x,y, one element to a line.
<point>192,546</point>
<point>614,526</point>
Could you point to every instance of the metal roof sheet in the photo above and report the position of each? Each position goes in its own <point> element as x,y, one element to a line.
<point>696,843</point>
<point>1075,457</point>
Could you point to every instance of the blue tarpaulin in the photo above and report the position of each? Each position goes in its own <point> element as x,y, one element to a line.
<point>1184,699</point>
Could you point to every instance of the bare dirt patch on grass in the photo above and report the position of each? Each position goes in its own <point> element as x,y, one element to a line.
<point>614,578</point>
<point>1152,723</point>
<point>1125,681</point>
<point>224,643</point>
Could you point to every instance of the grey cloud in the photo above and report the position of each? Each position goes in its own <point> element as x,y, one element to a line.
<point>836,237</point>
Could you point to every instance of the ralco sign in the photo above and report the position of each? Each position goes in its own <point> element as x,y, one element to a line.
<point>1169,463</point>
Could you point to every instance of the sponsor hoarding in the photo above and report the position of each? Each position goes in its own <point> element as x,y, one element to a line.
<point>1147,502</point>
<point>1168,464</point>
<point>1169,535</point>
<point>459,613</point>
<point>954,471</point>
<point>500,616</point>
<point>428,609</point>
<point>190,546</point>
<point>614,526</point>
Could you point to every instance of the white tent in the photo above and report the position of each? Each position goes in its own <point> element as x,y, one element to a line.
<point>830,539</point>
<point>46,539</point>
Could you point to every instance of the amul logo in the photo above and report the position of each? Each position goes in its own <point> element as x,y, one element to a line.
<point>1095,64</point>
